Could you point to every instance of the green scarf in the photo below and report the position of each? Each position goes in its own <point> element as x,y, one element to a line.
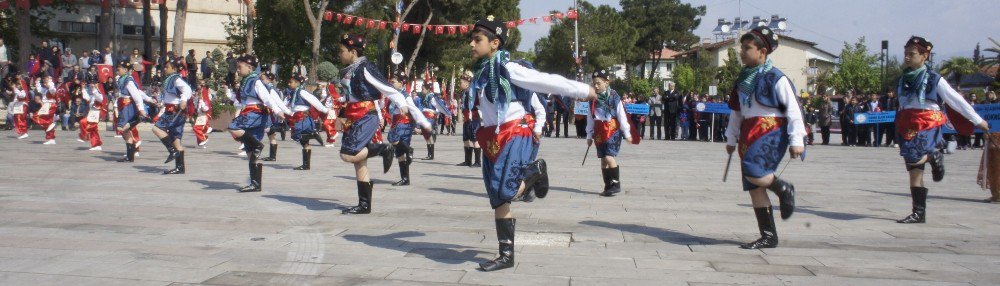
<point>492,77</point>
<point>602,100</point>
<point>747,81</point>
<point>913,81</point>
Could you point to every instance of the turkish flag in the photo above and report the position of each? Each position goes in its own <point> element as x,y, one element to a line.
<point>359,22</point>
<point>573,14</point>
<point>416,28</point>
<point>328,15</point>
<point>520,22</point>
<point>104,73</point>
<point>395,25</point>
<point>23,4</point>
<point>381,25</point>
<point>406,27</point>
<point>348,19</point>
<point>371,23</point>
<point>559,15</point>
<point>438,30</point>
<point>547,19</point>
<point>533,20</point>
<point>511,24</point>
<point>340,17</point>
<point>464,29</point>
<point>451,30</point>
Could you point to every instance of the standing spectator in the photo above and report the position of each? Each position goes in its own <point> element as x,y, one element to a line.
<point>274,66</point>
<point>846,128</point>
<point>44,52</point>
<point>824,116</point>
<point>638,119</point>
<point>299,68</point>
<point>192,66</point>
<point>55,61</point>
<point>84,61</point>
<point>231,69</point>
<point>208,66</point>
<point>889,102</point>
<point>157,64</point>
<point>68,62</point>
<point>656,114</point>
<point>4,59</point>
<point>704,120</point>
<point>136,60</point>
<point>875,130</point>
<point>861,130</point>
<point>109,58</point>
<point>671,109</point>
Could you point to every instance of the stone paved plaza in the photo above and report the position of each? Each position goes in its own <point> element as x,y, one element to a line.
<point>73,217</point>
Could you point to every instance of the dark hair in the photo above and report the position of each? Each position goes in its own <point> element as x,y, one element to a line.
<point>482,31</point>
<point>757,41</point>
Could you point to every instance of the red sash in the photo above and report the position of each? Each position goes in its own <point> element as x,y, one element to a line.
<point>255,108</point>
<point>755,127</point>
<point>297,116</point>
<point>493,142</point>
<point>170,108</point>
<point>431,115</point>
<point>911,121</point>
<point>123,101</point>
<point>355,110</point>
<point>603,130</point>
<point>401,119</point>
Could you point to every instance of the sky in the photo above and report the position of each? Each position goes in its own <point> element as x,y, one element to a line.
<point>953,26</point>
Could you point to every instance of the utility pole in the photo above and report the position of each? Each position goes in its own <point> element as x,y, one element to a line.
<point>576,38</point>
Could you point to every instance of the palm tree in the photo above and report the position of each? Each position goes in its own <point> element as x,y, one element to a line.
<point>988,62</point>
<point>958,67</point>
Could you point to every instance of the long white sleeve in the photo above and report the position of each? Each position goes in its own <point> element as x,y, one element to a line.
<point>274,102</point>
<point>733,129</point>
<point>797,127</point>
<point>539,112</point>
<point>232,96</point>
<point>415,112</point>
<point>590,124</point>
<point>623,124</point>
<point>394,95</point>
<point>956,102</point>
<point>313,101</point>
<point>184,88</point>
<point>545,83</point>
<point>138,96</point>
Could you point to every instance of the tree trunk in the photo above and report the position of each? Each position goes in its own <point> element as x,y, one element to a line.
<point>656,64</point>
<point>420,42</point>
<point>23,36</point>
<point>107,27</point>
<point>147,27</point>
<point>180,17</point>
<point>316,22</point>
<point>163,30</point>
<point>395,36</point>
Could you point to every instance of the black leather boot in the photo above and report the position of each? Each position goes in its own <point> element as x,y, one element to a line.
<point>178,165</point>
<point>306,160</point>
<point>606,174</point>
<point>129,153</point>
<point>536,179</point>
<point>615,182</point>
<point>919,215</point>
<point>364,199</point>
<point>478,153</point>
<point>384,150</point>
<point>404,173</point>
<point>505,237</point>
<point>468,157</point>
<point>254,172</point>
<point>251,145</point>
<point>768,233</point>
<point>273,153</point>
<point>171,151</point>
<point>786,196</point>
<point>937,165</point>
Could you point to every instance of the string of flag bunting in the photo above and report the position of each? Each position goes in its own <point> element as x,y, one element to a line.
<point>347,19</point>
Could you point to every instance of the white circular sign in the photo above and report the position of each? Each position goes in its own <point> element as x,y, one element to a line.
<point>700,107</point>
<point>861,118</point>
<point>396,58</point>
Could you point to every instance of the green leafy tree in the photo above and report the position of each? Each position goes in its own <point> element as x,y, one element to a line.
<point>21,29</point>
<point>729,71</point>
<point>858,69</point>
<point>957,68</point>
<point>603,32</point>
<point>684,78</point>
<point>661,23</point>
<point>326,71</point>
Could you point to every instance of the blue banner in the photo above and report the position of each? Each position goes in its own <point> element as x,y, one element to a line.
<point>637,108</point>
<point>581,108</point>
<point>874,117</point>
<point>707,107</point>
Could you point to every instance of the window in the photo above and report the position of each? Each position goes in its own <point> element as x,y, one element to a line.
<point>77,27</point>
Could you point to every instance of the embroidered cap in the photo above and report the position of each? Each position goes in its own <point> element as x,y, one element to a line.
<point>922,44</point>
<point>125,64</point>
<point>399,75</point>
<point>354,42</point>
<point>298,78</point>
<point>248,59</point>
<point>767,36</point>
<point>602,73</point>
<point>177,62</point>
<point>491,25</point>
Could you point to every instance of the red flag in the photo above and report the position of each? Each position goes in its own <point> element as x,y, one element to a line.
<point>511,24</point>
<point>371,23</point>
<point>533,20</point>
<point>416,29</point>
<point>359,22</point>
<point>340,17</point>
<point>328,15</point>
<point>464,29</point>
<point>104,73</point>
<point>559,15</point>
<point>573,14</point>
<point>520,22</point>
<point>4,5</point>
<point>406,27</point>
<point>451,30</point>
<point>381,25</point>
<point>438,30</point>
<point>348,19</point>
<point>23,4</point>
<point>547,19</point>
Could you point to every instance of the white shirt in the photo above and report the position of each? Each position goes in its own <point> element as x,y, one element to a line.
<point>108,59</point>
<point>535,81</point>
<point>92,95</point>
<point>949,96</point>
<point>3,54</point>
<point>786,95</point>
<point>138,96</point>
<point>183,88</point>
<point>264,95</point>
<point>202,105</point>
<point>311,100</point>
<point>394,96</point>
<point>601,114</point>
<point>275,98</point>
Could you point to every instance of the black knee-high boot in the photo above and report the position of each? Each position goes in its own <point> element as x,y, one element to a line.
<point>178,165</point>
<point>404,172</point>
<point>468,157</point>
<point>273,153</point>
<point>505,237</point>
<point>615,181</point>
<point>479,157</point>
<point>364,199</point>
<point>937,165</point>
<point>430,152</point>
<point>768,233</point>
<point>172,152</point>
<point>251,145</point>
<point>306,160</point>
<point>129,153</point>
<point>606,174</point>
<point>919,215</point>
<point>255,169</point>
<point>536,179</point>
<point>384,150</point>
<point>786,196</point>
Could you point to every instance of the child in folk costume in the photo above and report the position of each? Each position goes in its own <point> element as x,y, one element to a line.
<point>363,85</point>
<point>170,126</point>
<point>509,135</point>
<point>250,125</point>
<point>433,108</point>
<point>333,102</point>
<point>46,114</point>
<point>302,124</point>
<point>922,92</point>
<point>94,96</point>
<point>276,120</point>
<point>767,119</point>
<point>607,124</point>
<point>471,121</point>
<point>202,105</point>
<point>403,118</point>
<point>19,107</point>
<point>131,109</point>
